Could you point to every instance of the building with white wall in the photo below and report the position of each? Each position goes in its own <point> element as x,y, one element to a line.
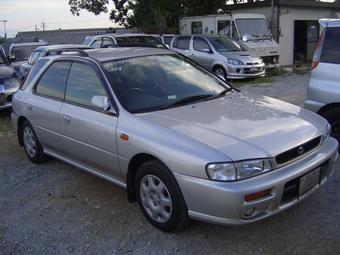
<point>294,24</point>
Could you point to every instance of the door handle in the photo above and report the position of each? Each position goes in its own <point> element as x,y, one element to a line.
<point>66,119</point>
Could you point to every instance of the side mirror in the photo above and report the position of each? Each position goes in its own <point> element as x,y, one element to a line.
<point>246,37</point>
<point>101,102</point>
<point>11,58</point>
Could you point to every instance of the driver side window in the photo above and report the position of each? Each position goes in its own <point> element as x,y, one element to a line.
<point>201,44</point>
<point>83,84</point>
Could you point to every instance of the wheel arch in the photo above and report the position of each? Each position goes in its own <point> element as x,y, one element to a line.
<point>327,107</point>
<point>20,122</point>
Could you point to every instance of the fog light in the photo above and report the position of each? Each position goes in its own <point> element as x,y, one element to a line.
<point>249,212</point>
<point>257,195</point>
<point>238,70</point>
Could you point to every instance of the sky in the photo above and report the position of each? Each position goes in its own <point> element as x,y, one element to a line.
<point>23,15</point>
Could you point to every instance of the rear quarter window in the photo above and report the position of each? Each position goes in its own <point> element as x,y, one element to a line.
<point>331,46</point>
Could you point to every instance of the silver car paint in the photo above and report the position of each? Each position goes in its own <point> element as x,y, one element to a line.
<point>185,139</point>
<point>215,58</point>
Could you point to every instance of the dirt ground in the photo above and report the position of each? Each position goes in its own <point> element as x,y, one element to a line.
<point>57,209</point>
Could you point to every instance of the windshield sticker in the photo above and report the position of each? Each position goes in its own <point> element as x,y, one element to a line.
<point>117,65</point>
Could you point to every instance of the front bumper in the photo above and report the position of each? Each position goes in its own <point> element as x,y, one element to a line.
<point>224,203</point>
<point>245,71</point>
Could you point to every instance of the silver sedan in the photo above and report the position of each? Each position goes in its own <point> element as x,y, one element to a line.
<point>181,141</point>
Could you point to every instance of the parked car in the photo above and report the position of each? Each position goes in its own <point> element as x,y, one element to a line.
<point>182,142</point>
<point>19,53</point>
<point>324,87</point>
<point>8,81</point>
<point>219,54</point>
<point>46,50</point>
<point>164,38</point>
<point>123,40</point>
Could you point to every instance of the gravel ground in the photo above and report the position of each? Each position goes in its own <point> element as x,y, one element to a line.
<point>57,209</point>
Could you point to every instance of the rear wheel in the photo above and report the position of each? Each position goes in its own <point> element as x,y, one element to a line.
<point>333,117</point>
<point>159,197</point>
<point>32,146</point>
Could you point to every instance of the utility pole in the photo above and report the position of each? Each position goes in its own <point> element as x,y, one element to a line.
<point>43,25</point>
<point>4,21</point>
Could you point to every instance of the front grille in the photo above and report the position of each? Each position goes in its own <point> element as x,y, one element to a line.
<point>297,151</point>
<point>253,70</point>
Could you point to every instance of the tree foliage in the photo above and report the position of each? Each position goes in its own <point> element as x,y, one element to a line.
<point>149,15</point>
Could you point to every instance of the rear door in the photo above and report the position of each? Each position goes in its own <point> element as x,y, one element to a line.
<point>181,45</point>
<point>89,133</point>
<point>325,78</point>
<point>201,52</point>
<point>44,104</point>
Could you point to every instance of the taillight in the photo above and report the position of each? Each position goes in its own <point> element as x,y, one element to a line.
<point>318,49</point>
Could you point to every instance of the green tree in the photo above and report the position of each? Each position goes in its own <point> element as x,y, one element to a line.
<point>149,15</point>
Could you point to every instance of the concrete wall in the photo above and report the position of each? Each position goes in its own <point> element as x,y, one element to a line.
<point>287,17</point>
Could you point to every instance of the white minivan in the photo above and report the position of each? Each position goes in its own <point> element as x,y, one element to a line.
<point>324,86</point>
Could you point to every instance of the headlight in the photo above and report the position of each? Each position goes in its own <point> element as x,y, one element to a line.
<point>11,83</point>
<point>235,171</point>
<point>326,133</point>
<point>235,62</point>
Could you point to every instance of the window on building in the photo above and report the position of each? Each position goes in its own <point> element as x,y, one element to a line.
<point>53,81</point>
<point>196,28</point>
<point>223,27</point>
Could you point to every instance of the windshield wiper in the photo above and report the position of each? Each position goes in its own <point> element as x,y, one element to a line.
<point>186,100</point>
<point>223,93</point>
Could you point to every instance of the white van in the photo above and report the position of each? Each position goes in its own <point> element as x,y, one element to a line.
<point>249,30</point>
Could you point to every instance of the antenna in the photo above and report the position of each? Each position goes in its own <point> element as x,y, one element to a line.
<point>4,21</point>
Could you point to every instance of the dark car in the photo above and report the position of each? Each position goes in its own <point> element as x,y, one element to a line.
<point>44,51</point>
<point>9,82</point>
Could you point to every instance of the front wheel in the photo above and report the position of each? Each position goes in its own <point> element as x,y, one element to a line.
<point>220,71</point>
<point>160,198</point>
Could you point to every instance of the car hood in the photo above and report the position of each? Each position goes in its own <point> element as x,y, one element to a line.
<point>6,72</point>
<point>242,127</point>
<point>244,56</point>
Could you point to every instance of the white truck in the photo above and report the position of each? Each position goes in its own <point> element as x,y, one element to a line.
<point>249,30</point>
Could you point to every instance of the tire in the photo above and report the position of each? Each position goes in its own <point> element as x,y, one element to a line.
<point>333,117</point>
<point>160,198</point>
<point>220,71</point>
<point>32,146</point>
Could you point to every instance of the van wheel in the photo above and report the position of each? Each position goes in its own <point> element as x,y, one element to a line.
<point>32,146</point>
<point>220,71</point>
<point>160,198</point>
<point>333,117</point>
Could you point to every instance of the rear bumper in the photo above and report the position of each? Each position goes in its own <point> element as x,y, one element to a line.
<point>224,203</point>
<point>313,106</point>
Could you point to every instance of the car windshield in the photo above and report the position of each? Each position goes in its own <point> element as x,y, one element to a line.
<point>23,52</point>
<point>153,83</point>
<point>139,41</point>
<point>256,28</point>
<point>223,44</point>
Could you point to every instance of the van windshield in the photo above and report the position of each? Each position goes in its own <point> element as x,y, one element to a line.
<point>223,44</point>
<point>257,28</point>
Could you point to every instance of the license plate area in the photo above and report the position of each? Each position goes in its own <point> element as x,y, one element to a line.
<point>309,181</point>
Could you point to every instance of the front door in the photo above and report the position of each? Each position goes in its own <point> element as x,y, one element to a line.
<point>202,53</point>
<point>89,132</point>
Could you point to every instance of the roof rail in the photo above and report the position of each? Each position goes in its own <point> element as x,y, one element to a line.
<point>80,52</point>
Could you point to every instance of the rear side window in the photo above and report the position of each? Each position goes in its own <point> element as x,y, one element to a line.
<point>83,84</point>
<point>35,69</point>
<point>182,42</point>
<point>331,46</point>
<point>52,83</point>
<point>107,43</point>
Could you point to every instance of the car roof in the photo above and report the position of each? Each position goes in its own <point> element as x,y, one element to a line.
<point>123,35</point>
<point>107,54</point>
<point>62,46</point>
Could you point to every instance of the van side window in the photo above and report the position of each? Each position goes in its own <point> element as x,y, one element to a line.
<point>52,83</point>
<point>331,46</point>
<point>182,42</point>
<point>83,84</point>
<point>196,28</point>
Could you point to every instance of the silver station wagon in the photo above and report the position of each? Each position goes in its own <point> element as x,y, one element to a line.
<point>184,143</point>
